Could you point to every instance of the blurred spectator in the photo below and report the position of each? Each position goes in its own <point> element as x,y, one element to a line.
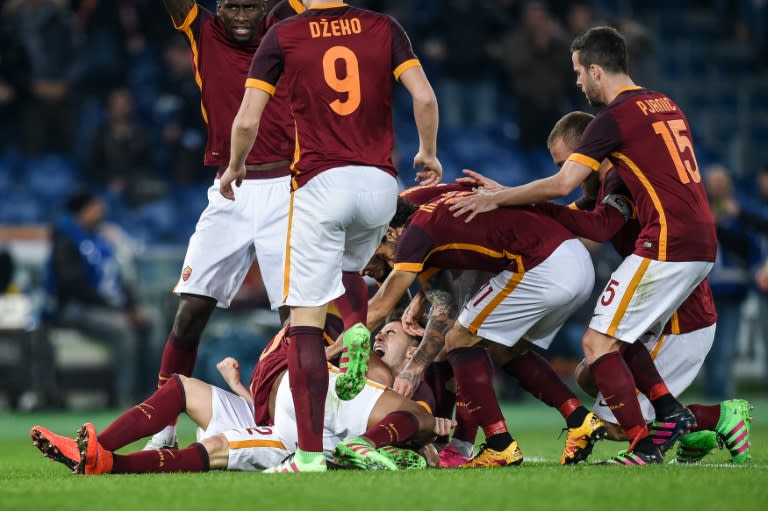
<point>44,29</point>
<point>460,43</point>
<point>120,157</point>
<point>6,270</point>
<point>538,69</point>
<point>14,85</point>
<point>86,290</point>
<point>729,281</point>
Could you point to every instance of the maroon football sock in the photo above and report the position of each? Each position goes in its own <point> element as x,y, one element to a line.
<point>615,382</point>
<point>308,377</point>
<point>474,379</point>
<point>353,304</point>
<point>395,428</point>
<point>466,426</point>
<point>192,459</point>
<point>147,417</point>
<point>707,416</point>
<point>178,358</point>
<point>535,375</point>
<point>438,376</point>
<point>648,379</point>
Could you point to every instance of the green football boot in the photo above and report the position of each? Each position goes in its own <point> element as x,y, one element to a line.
<point>733,428</point>
<point>691,448</point>
<point>357,453</point>
<point>405,459</point>
<point>354,362</point>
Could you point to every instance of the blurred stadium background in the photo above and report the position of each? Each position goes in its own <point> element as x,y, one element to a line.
<point>101,94</point>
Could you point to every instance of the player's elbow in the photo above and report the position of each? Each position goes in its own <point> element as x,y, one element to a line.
<point>424,99</point>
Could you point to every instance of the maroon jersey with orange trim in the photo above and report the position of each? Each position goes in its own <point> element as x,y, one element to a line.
<point>515,238</point>
<point>273,361</point>
<point>336,62</point>
<point>221,67</point>
<point>647,138</point>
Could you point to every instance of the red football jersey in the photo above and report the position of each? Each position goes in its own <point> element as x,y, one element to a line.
<point>273,361</point>
<point>221,67</point>
<point>515,238</point>
<point>336,63</point>
<point>647,138</point>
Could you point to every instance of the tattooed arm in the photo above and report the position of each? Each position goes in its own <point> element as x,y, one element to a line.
<point>445,309</point>
<point>178,9</point>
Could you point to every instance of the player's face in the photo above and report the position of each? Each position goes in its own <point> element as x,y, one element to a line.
<point>241,18</point>
<point>586,83</point>
<point>560,151</point>
<point>392,344</point>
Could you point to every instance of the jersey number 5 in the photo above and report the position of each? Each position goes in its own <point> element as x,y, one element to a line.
<point>349,84</point>
<point>672,134</point>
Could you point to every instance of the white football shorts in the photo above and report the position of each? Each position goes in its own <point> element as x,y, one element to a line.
<point>337,220</point>
<point>230,234</point>
<point>642,294</point>
<point>532,305</point>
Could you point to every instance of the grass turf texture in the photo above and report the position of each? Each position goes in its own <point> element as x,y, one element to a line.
<point>29,481</point>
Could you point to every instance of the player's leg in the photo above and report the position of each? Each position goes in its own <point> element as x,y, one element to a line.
<point>213,270</point>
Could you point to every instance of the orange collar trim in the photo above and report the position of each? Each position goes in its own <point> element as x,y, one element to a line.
<point>628,88</point>
<point>328,5</point>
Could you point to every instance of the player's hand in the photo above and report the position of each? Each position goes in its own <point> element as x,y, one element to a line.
<point>231,176</point>
<point>444,426</point>
<point>406,383</point>
<point>412,314</point>
<point>478,180</point>
<point>431,169</point>
<point>229,368</point>
<point>481,201</point>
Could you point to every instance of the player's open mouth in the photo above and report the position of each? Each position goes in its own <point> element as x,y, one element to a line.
<point>378,350</point>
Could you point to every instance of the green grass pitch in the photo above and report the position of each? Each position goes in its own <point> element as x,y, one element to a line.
<point>28,481</point>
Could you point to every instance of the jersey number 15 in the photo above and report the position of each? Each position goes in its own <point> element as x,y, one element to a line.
<point>677,142</point>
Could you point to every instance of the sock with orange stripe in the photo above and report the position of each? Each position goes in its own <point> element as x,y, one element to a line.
<point>536,376</point>
<point>395,428</point>
<point>474,379</point>
<point>192,459</point>
<point>308,378</point>
<point>146,418</point>
<point>707,416</point>
<point>648,380</point>
<point>615,382</point>
<point>353,304</point>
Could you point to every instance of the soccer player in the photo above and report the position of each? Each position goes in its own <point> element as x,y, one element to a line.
<point>336,63</point>
<point>222,45</point>
<point>646,136</point>
<point>687,338</point>
<point>233,437</point>
<point>541,275</point>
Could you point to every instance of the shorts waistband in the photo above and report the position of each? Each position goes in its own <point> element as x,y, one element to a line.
<point>262,171</point>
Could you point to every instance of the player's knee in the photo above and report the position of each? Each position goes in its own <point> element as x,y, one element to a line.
<point>457,337</point>
<point>595,345</point>
<point>191,318</point>
<point>584,379</point>
<point>426,432</point>
<point>218,451</point>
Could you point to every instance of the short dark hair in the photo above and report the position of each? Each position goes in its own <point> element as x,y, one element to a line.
<point>570,127</point>
<point>603,46</point>
<point>403,212</point>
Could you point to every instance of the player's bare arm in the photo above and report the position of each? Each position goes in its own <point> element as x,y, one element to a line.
<point>439,292</point>
<point>425,113</point>
<point>571,175</point>
<point>385,299</point>
<point>178,10</point>
<point>229,368</point>
<point>245,127</point>
<point>413,313</point>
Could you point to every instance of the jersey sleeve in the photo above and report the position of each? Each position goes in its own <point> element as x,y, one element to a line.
<point>403,57</point>
<point>601,137</point>
<point>599,225</point>
<point>267,64</point>
<point>412,249</point>
<point>196,18</point>
<point>282,10</point>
